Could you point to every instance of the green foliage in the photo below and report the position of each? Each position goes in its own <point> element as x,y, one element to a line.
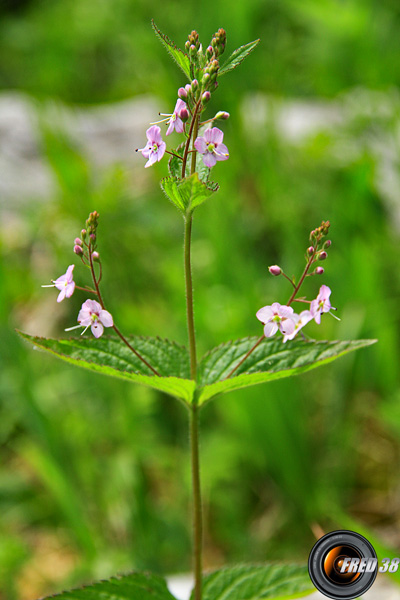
<point>180,57</point>
<point>255,582</point>
<point>237,57</point>
<point>175,165</point>
<point>270,360</point>
<point>137,586</point>
<point>189,193</point>
<point>112,357</point>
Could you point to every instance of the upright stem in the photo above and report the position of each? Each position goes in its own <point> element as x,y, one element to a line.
<point>189,295</point>
<point>197,506</point>
<point>197,514</point>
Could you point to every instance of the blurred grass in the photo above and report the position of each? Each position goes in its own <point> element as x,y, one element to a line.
<point>94,475</point>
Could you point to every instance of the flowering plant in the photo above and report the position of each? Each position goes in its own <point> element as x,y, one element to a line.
<point>282,350</point>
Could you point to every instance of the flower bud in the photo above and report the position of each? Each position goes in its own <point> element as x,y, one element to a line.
<point>195,84</point>
<point>192,51</point>
<point>78,250</point>
<point>310,250</point>
<point>322,255</point>
<point>184,115</point>
<point>327,243</point>
<point>182,93</point>
<point>206,97</point>
<point>83,234</point>
<point>223,115</point>
<point>187,45</point>
<point>275,270</point>
<point>96,256</point>
<point>92,237</point>
<point>319,270</point>
<point>206,79</point>
<point>188,89</point>
<point>78,242</point>
<point>209,52</point>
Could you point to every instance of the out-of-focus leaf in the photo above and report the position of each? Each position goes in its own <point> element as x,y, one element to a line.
<point>136,586</point>
<point>254,582</point>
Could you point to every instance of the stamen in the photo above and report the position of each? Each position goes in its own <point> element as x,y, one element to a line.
<point>71,328</point>
<point>161,120</point>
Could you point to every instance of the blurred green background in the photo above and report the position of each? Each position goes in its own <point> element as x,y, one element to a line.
<point>94,473</point>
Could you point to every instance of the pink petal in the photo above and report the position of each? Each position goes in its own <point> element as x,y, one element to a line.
<point>69,289</point>
<point>324,292</point>
<point>276,307</point>
<point>287,326</point>
<point>270,329</point>
<point>314,307</point>
<point>61,295</point>
<point>180,104</point>
<point>200,145</point>
<point>84,318</point>
<point>208,136</point>
<point>179,127</point>
<point>222,152</point>
<point>285,311</point>
<point>106,318</point>
<point>152,159</point>
<point>217,136</point>
<point>68,274</point>
<point>265,314</point>
<point>161,150</point>
<point>154,134</point>
<point>97,329</point>
<point>209,159</point>
<point>170,127</point>
<point>60,282</point>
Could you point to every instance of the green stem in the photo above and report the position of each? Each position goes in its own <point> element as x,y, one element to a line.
<point>117,331</point>
<point>197,505</point>
<point>189,295</point>
<point>194,408</point>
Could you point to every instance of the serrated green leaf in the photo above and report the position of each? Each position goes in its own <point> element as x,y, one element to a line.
<point>136,586</point>
<point>237,57</point>
<point>255,582</point>
<point>180,57</point>
<point>271,360</point>
<point>110,356</point>
<point>189,193</point>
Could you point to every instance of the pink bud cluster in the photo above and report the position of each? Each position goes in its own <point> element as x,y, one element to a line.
<point>92,313</point>
<point>192,101</point>
<point>282,317</point>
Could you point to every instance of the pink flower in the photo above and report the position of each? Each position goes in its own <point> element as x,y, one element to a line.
<point>276,317</point>
<point>174,120</point>
<point>300,320</point>
<point>65,284</point>
<point>94,316</point>
<point>155,147</point>
<point>321,304</point>
<point>211,146</point>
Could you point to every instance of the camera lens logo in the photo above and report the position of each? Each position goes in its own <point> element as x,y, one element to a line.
<point>342,565</point>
